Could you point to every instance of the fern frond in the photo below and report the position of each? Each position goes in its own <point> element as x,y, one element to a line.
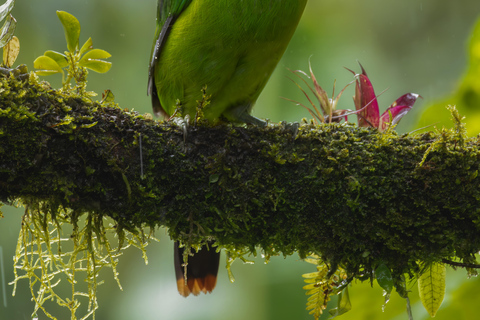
<point>321,285</point>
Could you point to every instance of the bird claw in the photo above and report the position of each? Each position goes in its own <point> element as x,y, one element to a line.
<point>183,123</point>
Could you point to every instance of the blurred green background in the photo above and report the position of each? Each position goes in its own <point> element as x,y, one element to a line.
<point>406,46</point>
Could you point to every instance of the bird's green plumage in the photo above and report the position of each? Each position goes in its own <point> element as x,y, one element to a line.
<point>230,46</point>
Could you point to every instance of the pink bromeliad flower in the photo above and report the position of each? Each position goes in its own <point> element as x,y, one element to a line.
<point>365,100</point>
<point>366,105</point>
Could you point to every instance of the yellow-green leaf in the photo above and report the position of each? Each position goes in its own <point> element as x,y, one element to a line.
<point>107,97</point>
<point>86,46</point>
<point>310,275</point>
<point>46,66</point>
<point>99,66</point>
<point>10,52</point>
<point>343,304</point>
<point>59,58</point>
<point>92,60</point>
<point>431,287</point>
<point>95,54</point>
<point>72,29</point>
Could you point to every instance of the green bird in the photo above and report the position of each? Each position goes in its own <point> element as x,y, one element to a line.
<point>231,47</point>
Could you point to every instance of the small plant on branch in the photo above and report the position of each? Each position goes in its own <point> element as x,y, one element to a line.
<point>366,104</point>
<point>75,60</point>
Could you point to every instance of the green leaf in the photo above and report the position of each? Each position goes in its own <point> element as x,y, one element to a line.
<point>431,287</point>
<point>92,60</point>
<point>7,30</point>
<point>401,287</point>
<point>6,8</point>
<point>384,277</point>
<point>343,304</point>
<point>214,178</point>
<point>72,29</point>
<point>96,54</point>
<point>99,66</point>
<point>107,97</point>
<point>46,66</point>
<point>86,46</point>
<point>59,58</point>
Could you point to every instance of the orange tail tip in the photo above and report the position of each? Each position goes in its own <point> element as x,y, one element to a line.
<point>202,269</point>
<point>195,286</point>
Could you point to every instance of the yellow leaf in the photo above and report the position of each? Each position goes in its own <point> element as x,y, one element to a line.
<point>431,287</point>
<point>310,275</point>
<point>10,52</point>
<point>309,286</point>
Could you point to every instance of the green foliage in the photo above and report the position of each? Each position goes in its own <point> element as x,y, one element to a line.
<point>322,285</point>
<point>8,28</point>
<point>201,104</point>
<point>458,134</point>
<point>75,60</point>
<point>431,287</point>
<point>326,111</point>
<point>343,305</point>
<point>48,255</point>
<point>72,29</point>
<point>353,191</point>
<point>446,141</point>
<point>431,282</point>
<point>384,278</point>
<point>466,97</point>
<point>10,43</point>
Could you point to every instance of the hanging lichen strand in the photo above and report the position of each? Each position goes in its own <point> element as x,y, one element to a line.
<point>52,249</point>
<point>352,196</point>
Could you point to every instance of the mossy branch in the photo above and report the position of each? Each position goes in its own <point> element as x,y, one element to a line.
<point>353,196</point>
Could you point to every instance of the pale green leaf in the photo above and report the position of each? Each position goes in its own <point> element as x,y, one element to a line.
<point>59,58</point>
<point>431,287</point>
<point>72,29</point>
<point>107,97</point>
<point>46,72</point>
<point>343,304</point>
<point>95,54</point>
<point>93,60</point>
<point>99,66</point>
<point>86,46</point>
<point>10,52</point>
<point>6,8</point>
<point>7,30</point>
<point>46,66</point>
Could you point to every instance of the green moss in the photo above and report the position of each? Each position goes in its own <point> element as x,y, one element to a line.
<point>352,196</point>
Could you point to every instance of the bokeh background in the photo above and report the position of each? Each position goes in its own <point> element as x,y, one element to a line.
<point>416,46</point>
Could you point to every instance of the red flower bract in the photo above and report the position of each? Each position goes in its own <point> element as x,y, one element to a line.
<point>366,105</point>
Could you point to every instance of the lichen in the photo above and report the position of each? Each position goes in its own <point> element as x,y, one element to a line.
<point>48,255</point>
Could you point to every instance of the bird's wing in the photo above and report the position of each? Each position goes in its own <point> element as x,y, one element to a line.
<point>167,12</point>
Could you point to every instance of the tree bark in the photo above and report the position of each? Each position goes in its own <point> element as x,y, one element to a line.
<point>354,196</point>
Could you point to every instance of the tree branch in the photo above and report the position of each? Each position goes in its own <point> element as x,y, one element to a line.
<point>352,195</point>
